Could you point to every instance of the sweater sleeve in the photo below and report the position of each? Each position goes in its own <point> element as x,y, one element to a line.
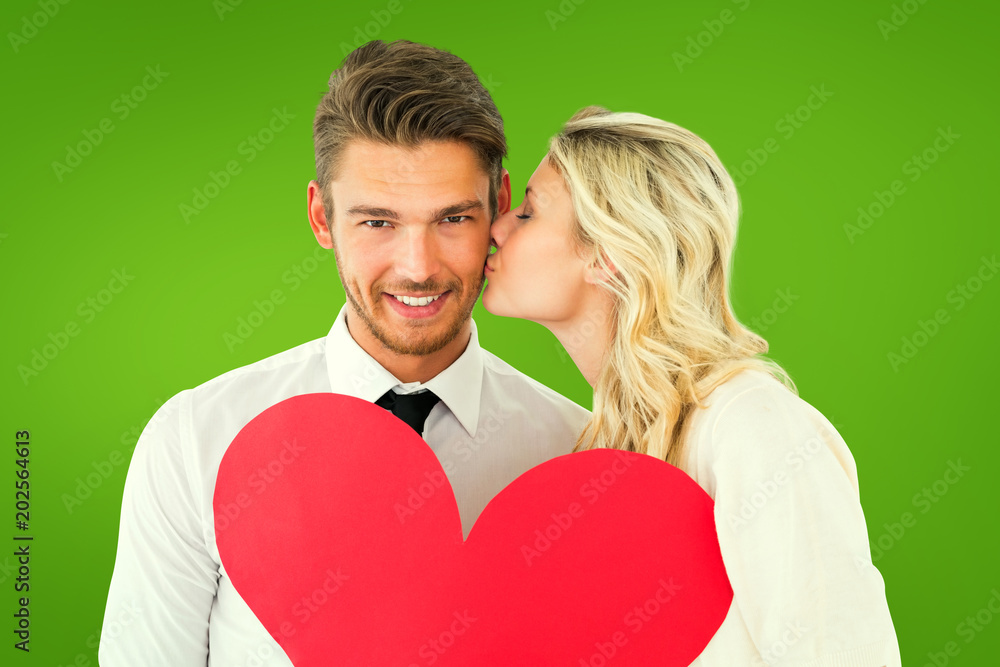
<point>793,536</point>
<point>164,579</point>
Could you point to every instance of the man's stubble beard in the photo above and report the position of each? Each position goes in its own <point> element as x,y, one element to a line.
<point>396,344</point>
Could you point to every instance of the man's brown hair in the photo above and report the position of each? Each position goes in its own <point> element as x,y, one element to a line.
<point>403,93</point>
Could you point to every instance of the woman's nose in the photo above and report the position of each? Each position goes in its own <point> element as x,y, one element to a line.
<point>500,228</point>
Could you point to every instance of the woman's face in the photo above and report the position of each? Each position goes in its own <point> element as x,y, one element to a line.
<point>537,272</point>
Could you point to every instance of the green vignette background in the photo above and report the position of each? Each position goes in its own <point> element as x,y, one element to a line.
<point>155,236</point>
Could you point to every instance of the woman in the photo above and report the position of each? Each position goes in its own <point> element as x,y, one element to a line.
<point>622,249</point>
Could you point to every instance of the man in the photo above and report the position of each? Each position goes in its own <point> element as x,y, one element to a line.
<point>409,177</point>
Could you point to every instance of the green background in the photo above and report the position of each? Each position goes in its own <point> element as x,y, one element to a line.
<point>854,298</point>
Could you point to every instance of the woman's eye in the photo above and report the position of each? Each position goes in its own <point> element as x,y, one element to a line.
<point>522,217</point>
<point>376,224</point>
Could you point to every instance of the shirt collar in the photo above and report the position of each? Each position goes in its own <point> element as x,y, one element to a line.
<point>354,372</point>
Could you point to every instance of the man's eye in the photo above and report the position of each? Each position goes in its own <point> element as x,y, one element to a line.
<point>376,224</point>
<point>456,218</point>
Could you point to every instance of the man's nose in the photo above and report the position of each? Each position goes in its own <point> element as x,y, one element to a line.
<point>419,258</point>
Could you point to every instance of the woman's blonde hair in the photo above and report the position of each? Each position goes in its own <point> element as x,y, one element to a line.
<point>657,211</point>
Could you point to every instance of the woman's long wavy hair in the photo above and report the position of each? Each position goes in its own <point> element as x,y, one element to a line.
<point>657,211</point>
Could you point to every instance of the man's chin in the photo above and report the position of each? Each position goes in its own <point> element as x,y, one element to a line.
<point>417,346</point>
<point>415,337</point>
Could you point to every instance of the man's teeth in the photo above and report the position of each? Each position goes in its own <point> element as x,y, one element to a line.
<point>417,300</point>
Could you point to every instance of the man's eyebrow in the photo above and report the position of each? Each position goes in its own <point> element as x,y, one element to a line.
<point>453,209</point>
<point>373,211</point>
<point>461,207</point>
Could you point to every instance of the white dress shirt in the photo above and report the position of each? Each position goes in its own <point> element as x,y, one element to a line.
<point>792,533</point>
<point>171,602</point>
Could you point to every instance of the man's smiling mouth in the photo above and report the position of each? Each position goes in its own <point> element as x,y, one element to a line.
<point>416,300</point>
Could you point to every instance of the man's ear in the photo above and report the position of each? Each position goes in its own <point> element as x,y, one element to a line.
<point>317,215</point>
<point>504,195</point>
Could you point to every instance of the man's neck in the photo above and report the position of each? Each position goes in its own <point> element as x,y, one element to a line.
<point>409,367</point>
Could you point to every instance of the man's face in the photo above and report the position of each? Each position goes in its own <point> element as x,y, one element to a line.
<point>410,229</point>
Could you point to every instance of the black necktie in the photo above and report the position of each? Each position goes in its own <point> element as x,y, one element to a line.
<point>411,408</point>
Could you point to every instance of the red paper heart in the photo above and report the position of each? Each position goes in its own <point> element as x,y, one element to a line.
<point>337,525</point>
